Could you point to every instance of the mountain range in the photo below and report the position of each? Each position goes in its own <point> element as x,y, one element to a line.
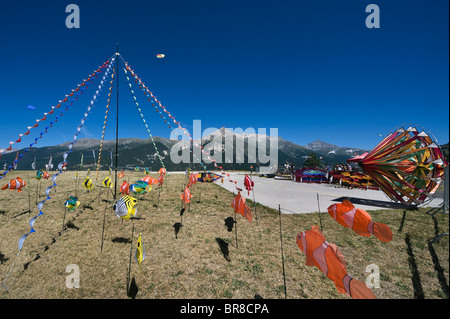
<point>134,152</point>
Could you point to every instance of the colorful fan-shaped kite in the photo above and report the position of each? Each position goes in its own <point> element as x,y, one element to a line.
<point>408,165</point>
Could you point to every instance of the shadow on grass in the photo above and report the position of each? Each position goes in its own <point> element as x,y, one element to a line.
<point>133,289</point>
<point>437,266</point>
<point>402,222</point>
<point>177,227</point>
<point>223,245</point>
<point>20,214</point>
<point>121,240</point>
<point>3,259</point>
<point>25,266</point>
<point>370,202</point>
<point>440,271</point>
<point>229,223</point>
<point>71,225</point>
<point>415,276</point>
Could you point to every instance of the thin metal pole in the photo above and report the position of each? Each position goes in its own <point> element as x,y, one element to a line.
<point>235,225</point>
<point>320,218</point>
<point>256,216</point>
<point>104,218</point>
<point>65,211</point>
<point>282,254</point>
<point>129,265</point>
<point>117,123</point>
<point>29,196</point>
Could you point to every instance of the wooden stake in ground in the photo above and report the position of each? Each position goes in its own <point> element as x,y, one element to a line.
<point>282,254</point>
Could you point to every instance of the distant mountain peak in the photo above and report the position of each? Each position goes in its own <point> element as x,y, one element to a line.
<point>319,145</point>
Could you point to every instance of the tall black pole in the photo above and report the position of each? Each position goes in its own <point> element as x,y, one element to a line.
<point>117,123</point>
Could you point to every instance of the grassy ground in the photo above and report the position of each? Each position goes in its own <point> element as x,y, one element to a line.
<point>200,259</point>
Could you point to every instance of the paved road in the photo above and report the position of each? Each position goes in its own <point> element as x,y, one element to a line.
<point>299,198</point>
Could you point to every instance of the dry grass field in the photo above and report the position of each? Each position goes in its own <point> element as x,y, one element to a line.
<point>197,257</point>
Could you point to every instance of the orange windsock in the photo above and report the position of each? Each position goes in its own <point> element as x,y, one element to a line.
<point>330,260</point>
<point>192,180</point>
<point>359,221</point>
<point>186,196</point>
<point>160,180</point>
<point>240,207</point>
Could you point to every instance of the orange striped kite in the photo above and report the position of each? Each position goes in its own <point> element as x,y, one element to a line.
<point>359,221</point>
<point>329,259</point>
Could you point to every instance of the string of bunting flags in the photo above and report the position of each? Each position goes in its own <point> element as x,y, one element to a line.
<point>143,119</point>
<point>104,123</point>
<point>60,165</point>
<point>82,86</point>
<point>147,91</point>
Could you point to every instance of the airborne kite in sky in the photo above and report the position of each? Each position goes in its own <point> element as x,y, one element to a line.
<point>407,165</point>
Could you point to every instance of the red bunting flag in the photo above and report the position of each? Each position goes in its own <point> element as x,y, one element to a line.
<point>248,183</point>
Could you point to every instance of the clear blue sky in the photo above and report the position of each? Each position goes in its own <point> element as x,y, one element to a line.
<point>312,69</point>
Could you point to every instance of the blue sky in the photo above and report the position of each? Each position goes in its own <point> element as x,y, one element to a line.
<point>312,69</point>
